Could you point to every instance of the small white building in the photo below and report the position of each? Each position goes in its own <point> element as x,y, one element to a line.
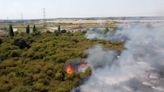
<point>2,30</point>
<point>53,29</point>
<point>15,29</point>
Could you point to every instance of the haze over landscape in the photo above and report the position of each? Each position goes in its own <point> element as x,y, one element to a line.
<point>32,9</point>
<point>81,46</point>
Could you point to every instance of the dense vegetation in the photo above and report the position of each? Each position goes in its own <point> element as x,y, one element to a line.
<point>36,62</point>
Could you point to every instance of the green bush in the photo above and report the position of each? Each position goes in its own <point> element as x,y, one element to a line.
<point>22,89</point>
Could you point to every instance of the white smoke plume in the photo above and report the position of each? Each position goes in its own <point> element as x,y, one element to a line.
<point>140,67</point>
<point>101,34</point>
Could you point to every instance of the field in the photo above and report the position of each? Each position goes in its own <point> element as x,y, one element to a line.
<point>36,62</point>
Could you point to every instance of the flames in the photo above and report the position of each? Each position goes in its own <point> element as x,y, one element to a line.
<point>69,70</point>
<point>76,66</point>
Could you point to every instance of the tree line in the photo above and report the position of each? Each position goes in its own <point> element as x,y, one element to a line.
<point>34,30</point>
<point>11,31</point>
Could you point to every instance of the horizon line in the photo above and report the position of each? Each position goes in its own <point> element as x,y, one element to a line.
<point>83,18</point>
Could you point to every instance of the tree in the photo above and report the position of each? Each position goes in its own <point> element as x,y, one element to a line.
<point>11,32</point>
<point>34,29</point>
<point>106,30</point>
<point>58,32</point>
<point>59,28</point>
<point>28,29</point>
<point>1,40</point>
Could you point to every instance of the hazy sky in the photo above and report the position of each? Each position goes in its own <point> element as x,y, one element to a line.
<point>79,8</point>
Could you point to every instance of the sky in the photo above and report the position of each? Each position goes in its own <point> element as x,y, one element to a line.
<point>33,9</point>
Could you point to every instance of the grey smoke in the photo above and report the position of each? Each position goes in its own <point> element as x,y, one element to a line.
<point>101,34</point>
<point>140,67</point>
<point>98,56</point>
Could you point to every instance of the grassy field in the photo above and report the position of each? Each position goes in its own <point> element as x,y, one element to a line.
<point>66,24</point>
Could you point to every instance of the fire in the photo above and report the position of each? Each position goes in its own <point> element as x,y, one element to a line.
<point>70,69</point>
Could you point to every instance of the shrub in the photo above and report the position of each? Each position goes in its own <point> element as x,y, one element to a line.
<point>21,43</point>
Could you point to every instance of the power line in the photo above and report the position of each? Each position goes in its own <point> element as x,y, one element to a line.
<point>44,13</point>
<point>44,17</point>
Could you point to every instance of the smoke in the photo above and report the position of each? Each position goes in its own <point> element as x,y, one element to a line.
<point>139,68</point>
<point>99,57</point>
<point>103,34</point>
